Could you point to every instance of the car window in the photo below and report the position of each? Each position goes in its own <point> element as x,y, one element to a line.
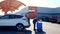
<point>15,16</point>
<point>11,16</point>
<point>4,17</point>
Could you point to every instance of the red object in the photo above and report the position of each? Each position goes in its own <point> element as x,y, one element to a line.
<point>32,12</point>
<point>32,15</point>
<point>53,19</point>
<point>32,8</point>
<point>10,5</point>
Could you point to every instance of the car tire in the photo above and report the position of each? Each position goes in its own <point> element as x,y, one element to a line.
<point>20,27</point>
<point>58,22</point>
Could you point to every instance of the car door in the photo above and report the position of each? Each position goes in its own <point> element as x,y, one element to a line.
<point>13,20</point>
<point>4,20</point>
<point>8,20</point>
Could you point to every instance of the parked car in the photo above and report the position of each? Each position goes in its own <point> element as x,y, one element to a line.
<point>53,19</point>
<point>19,21</point>
<point>44,18</point>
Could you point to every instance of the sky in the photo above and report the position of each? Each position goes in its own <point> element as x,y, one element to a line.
<point>42,3</point>
<point>38,3</point>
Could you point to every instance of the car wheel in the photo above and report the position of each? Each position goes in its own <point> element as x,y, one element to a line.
<point>20,27</point>
<point>58,22</point>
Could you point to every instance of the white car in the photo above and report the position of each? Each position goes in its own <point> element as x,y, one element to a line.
<point>19,21</point>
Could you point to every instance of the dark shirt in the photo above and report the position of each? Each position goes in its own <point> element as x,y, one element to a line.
<point>35,20</point>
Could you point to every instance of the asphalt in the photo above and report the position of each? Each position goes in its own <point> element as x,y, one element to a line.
<point>48,28</point>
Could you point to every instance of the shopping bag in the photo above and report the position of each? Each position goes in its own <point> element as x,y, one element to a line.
<point>38,25</point>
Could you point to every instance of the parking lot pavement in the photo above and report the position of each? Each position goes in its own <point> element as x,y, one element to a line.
<point>14,32</point>
<point>31,28</point>
<point>48,28</point>
<point>18,32</point>
<point>51,28</point>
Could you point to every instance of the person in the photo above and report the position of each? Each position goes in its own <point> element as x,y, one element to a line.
<point>39,25</point>
<point>34,21</point>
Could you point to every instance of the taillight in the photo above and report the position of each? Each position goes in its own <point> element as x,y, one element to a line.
<point>26,20</point>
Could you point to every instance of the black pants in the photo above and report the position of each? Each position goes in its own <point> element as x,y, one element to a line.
<point>34,24</point>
